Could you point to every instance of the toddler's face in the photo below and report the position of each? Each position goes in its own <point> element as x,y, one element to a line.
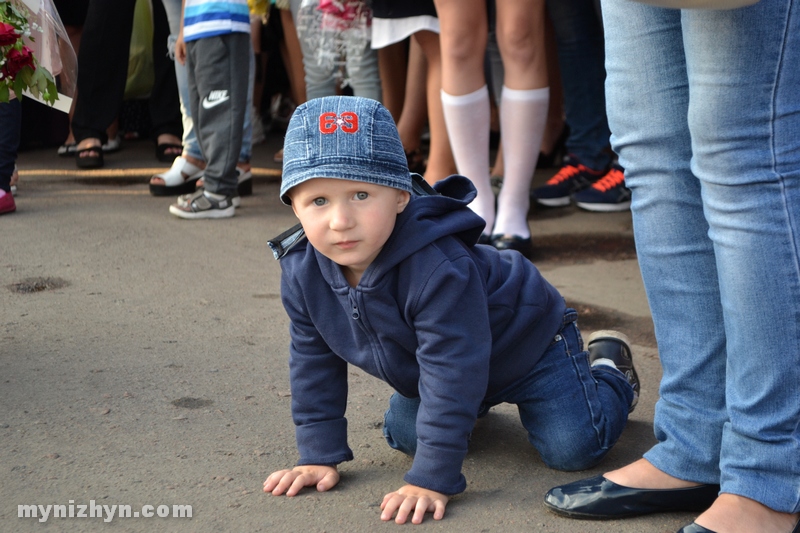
<point>347,221</point>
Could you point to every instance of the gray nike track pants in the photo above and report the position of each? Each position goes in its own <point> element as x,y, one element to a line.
<point>218,69</point>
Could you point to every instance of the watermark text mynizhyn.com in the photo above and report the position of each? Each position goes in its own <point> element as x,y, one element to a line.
<point>107,512</point>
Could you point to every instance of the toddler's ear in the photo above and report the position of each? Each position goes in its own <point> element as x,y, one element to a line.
<point>403,197</point>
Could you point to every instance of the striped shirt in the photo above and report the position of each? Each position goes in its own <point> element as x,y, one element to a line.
<point>207,18</point>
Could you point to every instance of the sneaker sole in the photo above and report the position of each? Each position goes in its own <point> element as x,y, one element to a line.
<point>228,212</point>
<point>604,208</point>
<point>554,202</point>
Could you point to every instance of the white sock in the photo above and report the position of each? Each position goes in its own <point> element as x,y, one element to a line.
<point>605,362</point>
<point>467,119</point>
<point>523,114</point>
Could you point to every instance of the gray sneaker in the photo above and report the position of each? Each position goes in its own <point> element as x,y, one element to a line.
<point>198,205</point>
<point>606,346</point>
<point>184,199</point>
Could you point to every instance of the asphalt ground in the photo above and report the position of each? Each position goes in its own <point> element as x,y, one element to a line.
<point>143,361</point>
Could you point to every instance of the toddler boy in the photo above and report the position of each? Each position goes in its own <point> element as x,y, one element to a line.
<point>395,284</point>
<point>214,43</point>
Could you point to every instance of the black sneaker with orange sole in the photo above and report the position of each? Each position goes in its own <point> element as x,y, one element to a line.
<point>571,178</point>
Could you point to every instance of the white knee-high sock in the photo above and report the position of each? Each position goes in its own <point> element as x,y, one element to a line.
<point>467,119</point>
<point>523,114</point>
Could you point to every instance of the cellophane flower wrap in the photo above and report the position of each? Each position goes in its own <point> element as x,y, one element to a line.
<point>33,48</point>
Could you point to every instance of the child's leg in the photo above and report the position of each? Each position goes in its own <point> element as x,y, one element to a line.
<point>246,151</point>
<point>218,85</point>
<point>523,116</point>
<point>362,69</point>
<point>400,423</point>
<point>573,413</point>
<point>319,80</point>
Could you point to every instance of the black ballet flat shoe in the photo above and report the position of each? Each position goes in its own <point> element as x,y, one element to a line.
<point>523,245</point>
<point>600,499</point>
<point>694,528</point>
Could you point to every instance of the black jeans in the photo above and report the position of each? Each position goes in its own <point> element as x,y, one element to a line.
<point>10,122</point>
<point>103,71</point>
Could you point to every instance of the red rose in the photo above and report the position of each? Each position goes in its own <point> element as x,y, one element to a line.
<point>8,35</point>
<point>16,60</point>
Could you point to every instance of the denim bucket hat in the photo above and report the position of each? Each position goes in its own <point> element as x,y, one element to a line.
<point>343,137</point>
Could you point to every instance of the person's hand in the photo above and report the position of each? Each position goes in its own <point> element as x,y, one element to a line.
<point>291,481</point>
<point>180,49</point>
<point>412,498</point>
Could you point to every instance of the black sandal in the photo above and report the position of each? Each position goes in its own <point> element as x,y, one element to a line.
<point>89,161</point>
<point>167,152</point>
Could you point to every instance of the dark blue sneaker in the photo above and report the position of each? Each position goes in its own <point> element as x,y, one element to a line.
<point>613,348</point>
<point>571,178</point>
<point>607,194</point>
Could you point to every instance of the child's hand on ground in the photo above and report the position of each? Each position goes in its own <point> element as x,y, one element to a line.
<point>412,498</point>
<point>291,481</point>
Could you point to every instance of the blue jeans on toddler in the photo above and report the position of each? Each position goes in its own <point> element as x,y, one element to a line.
<point>704,109</point>
<point>573,413</point>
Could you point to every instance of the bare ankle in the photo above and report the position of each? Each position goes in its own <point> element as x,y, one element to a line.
<point>90,142</point>
<point>734,514</point>
<point>643,475</point>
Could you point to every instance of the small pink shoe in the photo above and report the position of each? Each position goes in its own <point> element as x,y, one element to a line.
<point>7,204</point>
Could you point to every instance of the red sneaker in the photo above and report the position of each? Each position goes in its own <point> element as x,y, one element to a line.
<point>7,204</point>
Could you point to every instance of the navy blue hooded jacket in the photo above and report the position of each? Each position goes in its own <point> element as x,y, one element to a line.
<point>435,316</point>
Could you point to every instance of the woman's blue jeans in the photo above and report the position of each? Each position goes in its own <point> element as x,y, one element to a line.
<point>190,145</point>
<point>573,413</point>
<point>704,110</point>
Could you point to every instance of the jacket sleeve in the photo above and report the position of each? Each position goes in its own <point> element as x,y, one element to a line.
<point>319,388</point>
<point>451,319</point>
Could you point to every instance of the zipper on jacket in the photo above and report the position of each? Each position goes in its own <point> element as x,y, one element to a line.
<point>354,305</point>
<point>374,344</point>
